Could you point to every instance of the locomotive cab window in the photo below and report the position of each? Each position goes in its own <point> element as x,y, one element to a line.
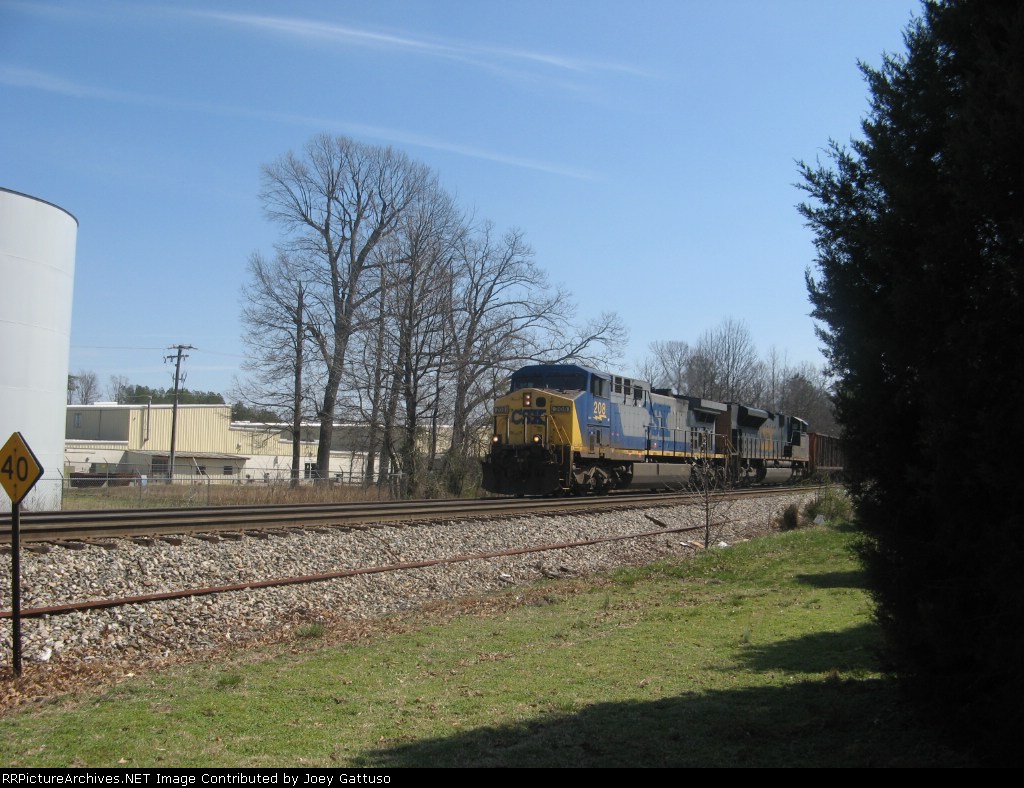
<point>556,381</point>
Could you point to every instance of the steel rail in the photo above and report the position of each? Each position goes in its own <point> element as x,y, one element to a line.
<point>93,524</point>
<point>74,607</point>
<point>47,526</point>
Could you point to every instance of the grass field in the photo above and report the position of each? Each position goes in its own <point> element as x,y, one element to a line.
<point>761,654</point>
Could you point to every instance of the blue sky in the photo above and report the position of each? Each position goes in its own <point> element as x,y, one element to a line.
<point>647,149</point>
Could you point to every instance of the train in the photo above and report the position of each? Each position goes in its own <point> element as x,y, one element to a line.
<point>570,429</point>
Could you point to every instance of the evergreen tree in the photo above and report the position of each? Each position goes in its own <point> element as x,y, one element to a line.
<point>158,396</point>
<point>920,244</point>
<point>242,412</point>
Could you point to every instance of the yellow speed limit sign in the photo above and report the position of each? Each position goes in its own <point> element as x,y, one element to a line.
<point>19,468</point>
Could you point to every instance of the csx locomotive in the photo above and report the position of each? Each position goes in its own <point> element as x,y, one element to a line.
<point>564,428</point>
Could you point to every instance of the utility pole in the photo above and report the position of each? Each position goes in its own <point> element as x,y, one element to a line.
<point>297,391</point>
<point>177,358</point>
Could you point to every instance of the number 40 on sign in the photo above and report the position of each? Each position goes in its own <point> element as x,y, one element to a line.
<point>19,468</point>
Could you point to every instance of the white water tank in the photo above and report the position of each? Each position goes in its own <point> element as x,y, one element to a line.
<point>37,272</point>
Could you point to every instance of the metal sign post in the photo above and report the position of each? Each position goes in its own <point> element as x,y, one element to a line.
<point>16,588</point>
<point>19,471</point>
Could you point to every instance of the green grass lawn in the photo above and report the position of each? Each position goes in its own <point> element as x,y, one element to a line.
<point>761,654</point>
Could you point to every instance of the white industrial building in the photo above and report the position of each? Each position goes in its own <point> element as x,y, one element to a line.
<point>135,440</point>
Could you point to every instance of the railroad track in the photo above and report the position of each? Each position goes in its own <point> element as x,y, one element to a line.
<point>96,524</point>
<point>119,609</point>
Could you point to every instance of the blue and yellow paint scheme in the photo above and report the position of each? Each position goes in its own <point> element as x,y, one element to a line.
<point>564,428</point>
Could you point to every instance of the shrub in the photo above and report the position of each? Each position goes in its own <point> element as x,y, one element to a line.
<point>833,504</point>
<point>790,518</point>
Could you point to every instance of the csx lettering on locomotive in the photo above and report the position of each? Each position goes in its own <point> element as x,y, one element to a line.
<point>527,416</point>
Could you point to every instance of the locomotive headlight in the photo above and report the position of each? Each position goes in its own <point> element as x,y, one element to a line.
<point>527,400</point>
<point>536,438</point>
<point>495,439</point>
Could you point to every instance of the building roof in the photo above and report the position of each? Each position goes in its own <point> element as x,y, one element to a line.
<point>196,455</point>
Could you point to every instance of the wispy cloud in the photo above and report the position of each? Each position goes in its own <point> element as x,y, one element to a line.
<point>37,80</point>
<point>486,56</point>
<point>403,138</point>
<point>311,30</point>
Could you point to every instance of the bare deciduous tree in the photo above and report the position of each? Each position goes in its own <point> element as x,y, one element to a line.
<point>723,365</point>
<point>733,355</point>
<point>807,393</point>
<point>670,360</point>
<point>648,369</point>
<point>597,342</point>
<point>702,373</point>
<point>117,388</point>
<point>273,312</point>
<point>83,387</point>
<point>335,204</point>
<point>409,338</point>
<point>500,299</point>
<point>775,371</point>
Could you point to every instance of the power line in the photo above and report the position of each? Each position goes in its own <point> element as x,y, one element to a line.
<point>112,347</point>
<point>116,347</point>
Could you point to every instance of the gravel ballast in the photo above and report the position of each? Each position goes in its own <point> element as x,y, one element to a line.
<point>153,632</point>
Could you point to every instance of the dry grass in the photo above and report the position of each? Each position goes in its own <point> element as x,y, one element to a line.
<point>184,495</point>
